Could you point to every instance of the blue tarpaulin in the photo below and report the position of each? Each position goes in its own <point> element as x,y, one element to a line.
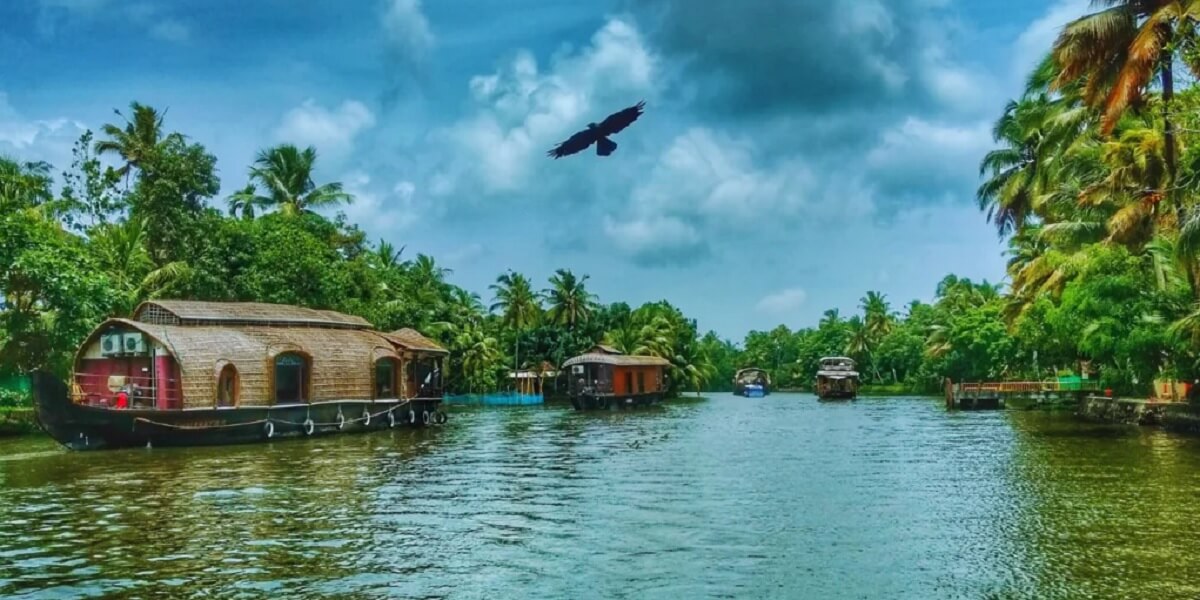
<point>496,399</point>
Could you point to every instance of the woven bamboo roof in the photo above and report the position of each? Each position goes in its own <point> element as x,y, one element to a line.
<point>624,360</point>
<point>342,360</point>
<point>182,312</point>
<point>412,339</point>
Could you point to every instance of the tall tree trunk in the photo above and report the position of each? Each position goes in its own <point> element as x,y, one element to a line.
<point>1167,77</point>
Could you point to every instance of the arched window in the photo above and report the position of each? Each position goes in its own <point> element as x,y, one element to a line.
<point>387,378</point>
<point>291,378</point>
<point>228,386</point>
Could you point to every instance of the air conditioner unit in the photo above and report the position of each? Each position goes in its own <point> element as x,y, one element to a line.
<point>134,342</point>
<point>111,344</point>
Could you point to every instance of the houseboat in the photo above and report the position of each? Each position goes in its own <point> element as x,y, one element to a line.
<point>604,378</point>
<point>837,379</point>
<point>751,383</point>
<point>185,373</point>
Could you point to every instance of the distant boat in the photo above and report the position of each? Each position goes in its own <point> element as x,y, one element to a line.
<point>751,383</point>
<point>837,379</point>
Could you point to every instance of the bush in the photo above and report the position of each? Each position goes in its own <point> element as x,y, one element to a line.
<point>15,399</point>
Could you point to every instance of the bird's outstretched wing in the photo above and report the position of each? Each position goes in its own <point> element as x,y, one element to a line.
<point>576,143</point>
<point>621,119</point>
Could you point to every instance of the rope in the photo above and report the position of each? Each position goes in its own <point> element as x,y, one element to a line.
<point>269,420</point>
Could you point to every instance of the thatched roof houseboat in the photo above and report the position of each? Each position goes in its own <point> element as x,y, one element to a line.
<point>603,377</point>
<point>186,372</point>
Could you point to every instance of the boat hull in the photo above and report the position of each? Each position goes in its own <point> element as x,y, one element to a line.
<point>836,395</point>
<point>613,402</point>
<point>81,427</point>
<point>751,391</point>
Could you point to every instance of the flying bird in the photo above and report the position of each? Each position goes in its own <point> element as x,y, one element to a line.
<point>598,134</point>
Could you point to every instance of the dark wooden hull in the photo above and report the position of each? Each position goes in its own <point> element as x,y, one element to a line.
<point>836,389</point>
<point>836,395</point>
<point>612,402</point>
<point>81,427</point>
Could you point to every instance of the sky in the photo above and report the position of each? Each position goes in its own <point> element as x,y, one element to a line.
<point>793,154</point>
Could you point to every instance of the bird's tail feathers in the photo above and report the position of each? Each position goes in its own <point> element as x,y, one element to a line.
<point>605,146</point>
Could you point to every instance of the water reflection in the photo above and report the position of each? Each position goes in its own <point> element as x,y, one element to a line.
<point>732,497</point>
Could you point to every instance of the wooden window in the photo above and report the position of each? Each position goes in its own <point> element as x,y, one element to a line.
<point>386,380</point>
<point>641,381</point>
<point>227,387</point>
<point>628,382</point>
<point>291,378</point>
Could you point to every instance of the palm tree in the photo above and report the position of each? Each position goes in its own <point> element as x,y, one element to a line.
<point>692,364</point>
<point>24,185</point>
<point>138,140</point>
<point>243,202</point>
<point>570,302</point>
<point>428,273</point>
<point>286,174</point>
<point>830,319</point>
<point>120,249</point>
<point>387,256</point>
<point>1033,133</point>
<point>1114,54</point>
<point>877,314</point>
<point>518,305</point>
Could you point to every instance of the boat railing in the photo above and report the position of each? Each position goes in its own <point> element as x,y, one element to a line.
<point>93,389</point>
<point>1028,387</point>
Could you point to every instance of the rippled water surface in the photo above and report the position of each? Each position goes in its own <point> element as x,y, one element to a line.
<point>780,497</point>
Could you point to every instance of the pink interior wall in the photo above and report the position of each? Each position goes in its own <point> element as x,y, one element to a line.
<point>92,376</point>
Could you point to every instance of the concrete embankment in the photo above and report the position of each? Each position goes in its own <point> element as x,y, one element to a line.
<point>1174,416</point>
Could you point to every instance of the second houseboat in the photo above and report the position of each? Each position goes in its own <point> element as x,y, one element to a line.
<point>604,378</point>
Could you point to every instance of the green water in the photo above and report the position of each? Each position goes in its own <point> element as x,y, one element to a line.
<point>781,497</point>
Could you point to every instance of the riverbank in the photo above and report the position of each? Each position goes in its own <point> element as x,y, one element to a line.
<point>17,421</point>
<point>1173,416</point>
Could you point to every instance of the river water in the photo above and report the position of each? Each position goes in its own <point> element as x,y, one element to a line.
<point>780,497</point>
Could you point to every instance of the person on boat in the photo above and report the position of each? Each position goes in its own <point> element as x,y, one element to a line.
<point>123,397</point>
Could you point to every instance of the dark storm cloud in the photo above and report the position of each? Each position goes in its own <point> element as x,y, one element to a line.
<point>762,56</point>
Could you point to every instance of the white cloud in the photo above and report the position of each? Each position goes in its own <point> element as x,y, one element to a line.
<point>939,155</point>
<point>707,185</point>
<point>523,110</point>
<point>36,139</point>
<point>331,131</point>
<point>655,239</point>
<point>142,14</point>
<point>784,301</point>
<point>382,213</point>
<point>407,29</point>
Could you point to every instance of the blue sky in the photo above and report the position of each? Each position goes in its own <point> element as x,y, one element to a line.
<point>792,156</point>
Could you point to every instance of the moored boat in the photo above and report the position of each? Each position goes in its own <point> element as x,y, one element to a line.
<point>837,379</point>
<point>186,373</point>
<point>751,382</point>
<point>604,378</point>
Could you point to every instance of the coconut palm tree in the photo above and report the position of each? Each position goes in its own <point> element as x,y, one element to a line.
<point>877,314</point>
<point>243,202</point>
<point>570,303</point>
<point>120,249</point>
<point>285,173</point>
<point>24,185</point>
<point>518,306</point>
<point>137,140</point>
<point>387,256</point>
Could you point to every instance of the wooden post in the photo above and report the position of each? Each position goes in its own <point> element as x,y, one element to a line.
<point>949,394</point>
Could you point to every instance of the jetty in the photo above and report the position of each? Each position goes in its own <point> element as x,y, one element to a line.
<point>996,395</point>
